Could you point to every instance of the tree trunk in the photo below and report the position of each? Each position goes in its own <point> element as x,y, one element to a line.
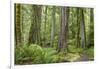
<point>17,25</point>
<point>83,36</point>
<point>34,35</point>
<point>78,28</point>
<point>62,35</point>
<point>53,25</point>
<point>91,30</point>
<point>44,35</point>
<point>66,27</point>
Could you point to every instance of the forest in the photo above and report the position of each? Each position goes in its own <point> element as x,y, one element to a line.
<point>52,34</point>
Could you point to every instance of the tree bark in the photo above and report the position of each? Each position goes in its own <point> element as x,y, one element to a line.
<point>44,43</point>
<point>91,30</point>
<point>62,35</point>
<point>17,25</point>
<point>34,35</point>
<point>83,36</point>
<point>78,28</point>
<point>53,25</point>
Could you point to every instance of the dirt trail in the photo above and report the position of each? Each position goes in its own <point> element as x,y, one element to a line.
<point>83,57</point>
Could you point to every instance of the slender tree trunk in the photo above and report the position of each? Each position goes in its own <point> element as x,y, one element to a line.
<point>44,43</point>
<point>83,36</point>
<point>78,28</point>
<point>92,25</point>
<point>17,24</point>
<point>91,29</point>
<point>66,27</point>
<point>53,25</point>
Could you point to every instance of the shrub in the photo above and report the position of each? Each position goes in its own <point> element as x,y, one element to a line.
<point>74,49</point>
<point>90,53</point>
<point>27,54</point>
<point>34,54</point>
<point>49,55</point>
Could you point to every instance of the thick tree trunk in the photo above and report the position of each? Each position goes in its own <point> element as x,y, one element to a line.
<point>34,35</point>
<point>62,35</point>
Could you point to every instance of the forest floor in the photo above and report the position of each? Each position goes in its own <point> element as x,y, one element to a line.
<point>40,55</point>
<point>83,57</point>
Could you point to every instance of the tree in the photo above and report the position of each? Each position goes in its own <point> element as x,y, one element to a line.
<point>66,27</point>
<point>43,33</point>
<point>44,43</point>
<point>62,35</point>
<point>78,27</point>
<point>17,25</point>
<point>34,35</point>
<point>53,25</point>
<point>83,36</point>
<point>91,28</point>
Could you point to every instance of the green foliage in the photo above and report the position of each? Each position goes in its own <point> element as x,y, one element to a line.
<point>49,55</point>
<point>25,53</point>
<point>74,49</point>
<point>18,55</point>
<point>72,57</point>
<point>60,57</point>
<point>36,24</point>
<point>90,53</point>
<point>34,54</point>
<point>69,57</point>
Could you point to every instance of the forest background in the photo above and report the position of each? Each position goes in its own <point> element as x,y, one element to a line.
<point>52,34</point>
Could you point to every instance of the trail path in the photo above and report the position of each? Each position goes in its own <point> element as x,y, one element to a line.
<point>83,57</point>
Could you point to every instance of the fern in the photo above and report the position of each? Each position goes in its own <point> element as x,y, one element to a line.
<point>34,54</point>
